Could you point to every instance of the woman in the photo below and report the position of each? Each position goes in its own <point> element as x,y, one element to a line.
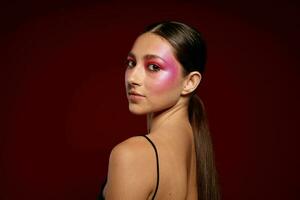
<point>175,159</point>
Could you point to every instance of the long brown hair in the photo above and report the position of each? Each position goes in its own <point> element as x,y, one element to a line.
<point>190,50</point>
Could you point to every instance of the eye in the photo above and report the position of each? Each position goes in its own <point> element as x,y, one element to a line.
<point>153,67</point>
<point>130,63</point>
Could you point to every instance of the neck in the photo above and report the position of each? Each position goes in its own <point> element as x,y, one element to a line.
<point>168,117</point>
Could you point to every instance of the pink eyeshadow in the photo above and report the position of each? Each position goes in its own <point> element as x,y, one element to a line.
<point>165,78</point>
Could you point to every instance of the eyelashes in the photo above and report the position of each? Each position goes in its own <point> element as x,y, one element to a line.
<point>130,63</point>
<point>151,66</point>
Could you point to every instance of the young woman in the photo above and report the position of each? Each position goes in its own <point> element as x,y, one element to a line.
<point>174,160</point>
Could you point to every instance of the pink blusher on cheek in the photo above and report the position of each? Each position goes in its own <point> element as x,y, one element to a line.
<point>166,78</point>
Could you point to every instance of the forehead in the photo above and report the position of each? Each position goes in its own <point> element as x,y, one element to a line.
<point>149,43</point>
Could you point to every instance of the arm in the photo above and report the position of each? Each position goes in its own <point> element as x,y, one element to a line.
<point>130,177</point>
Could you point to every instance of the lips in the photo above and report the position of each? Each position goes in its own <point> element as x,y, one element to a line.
<point>135,97</point>
<point>135,93</point>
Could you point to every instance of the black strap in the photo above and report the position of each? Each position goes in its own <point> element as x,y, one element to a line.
<point>157,165</point>
<point>101,196</point>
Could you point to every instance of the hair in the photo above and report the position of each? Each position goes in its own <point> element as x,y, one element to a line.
<point>190,51</point>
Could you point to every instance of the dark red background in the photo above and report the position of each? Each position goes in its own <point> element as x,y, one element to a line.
<point>63,104</point>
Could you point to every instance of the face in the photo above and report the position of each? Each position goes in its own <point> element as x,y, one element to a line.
<point>153,77</point>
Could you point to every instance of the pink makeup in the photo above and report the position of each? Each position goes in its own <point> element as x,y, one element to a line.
<point>152,70</point>
<point>165,78</point>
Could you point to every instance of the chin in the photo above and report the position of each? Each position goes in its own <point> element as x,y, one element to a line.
<point>137,110</point>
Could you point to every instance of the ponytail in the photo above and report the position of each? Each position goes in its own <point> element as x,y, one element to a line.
<point>207,185</point>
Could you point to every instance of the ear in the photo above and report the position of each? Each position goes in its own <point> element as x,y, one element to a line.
<point>191,82</point>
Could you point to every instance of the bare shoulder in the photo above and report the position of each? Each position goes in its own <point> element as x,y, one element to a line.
<point>129,169</point>
<point>132,142</point>
<point>132,149</point>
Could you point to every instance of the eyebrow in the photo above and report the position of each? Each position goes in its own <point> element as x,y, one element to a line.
<point>148,56</point>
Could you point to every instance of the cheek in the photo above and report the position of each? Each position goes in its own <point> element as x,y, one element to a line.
<point>164,81</point>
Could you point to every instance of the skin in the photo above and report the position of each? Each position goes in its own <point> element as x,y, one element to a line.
<point>154,72</point>
<point>158,77</point>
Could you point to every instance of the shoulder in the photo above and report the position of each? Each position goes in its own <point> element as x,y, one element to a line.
<point>131,156</point>
<point>129,169</point>
<point>132,149</point>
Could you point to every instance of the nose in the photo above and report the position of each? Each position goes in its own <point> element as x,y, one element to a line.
<point>134,76</point>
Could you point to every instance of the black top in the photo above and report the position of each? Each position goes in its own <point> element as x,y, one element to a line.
<point>101,197</point>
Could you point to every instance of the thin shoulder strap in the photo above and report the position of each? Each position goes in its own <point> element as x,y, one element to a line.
<point>157,165</point>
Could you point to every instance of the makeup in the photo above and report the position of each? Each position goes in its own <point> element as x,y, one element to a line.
<point>166,77</point>
<point>153,71</point>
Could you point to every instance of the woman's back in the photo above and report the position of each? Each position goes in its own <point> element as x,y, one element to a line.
<point>177,163</point>
<point>176,155</point>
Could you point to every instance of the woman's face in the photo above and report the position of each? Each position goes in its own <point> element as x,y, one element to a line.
<point>153,76</point>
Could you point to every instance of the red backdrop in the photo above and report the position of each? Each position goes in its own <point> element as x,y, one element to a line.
<point>63,104</point>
